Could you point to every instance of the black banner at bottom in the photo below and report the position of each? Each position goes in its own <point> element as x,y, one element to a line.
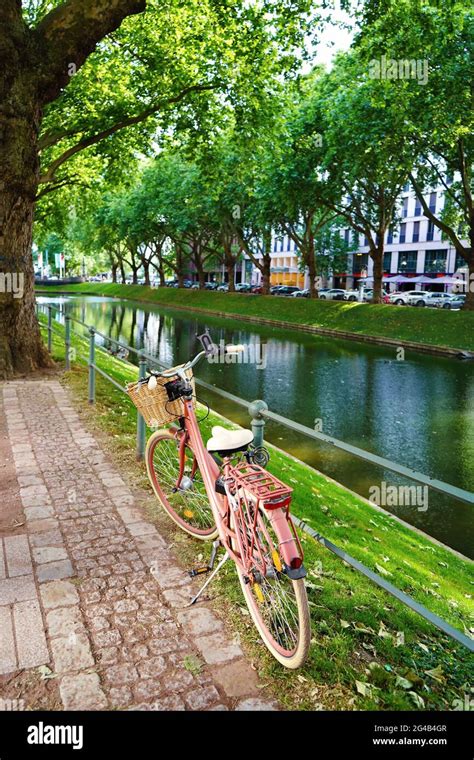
<point>123,734</point>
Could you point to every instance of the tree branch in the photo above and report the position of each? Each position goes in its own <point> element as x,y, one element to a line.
<point>87,142</point>
<point>71,32</point>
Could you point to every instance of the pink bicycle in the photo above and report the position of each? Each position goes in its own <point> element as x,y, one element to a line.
<point>219,493</point>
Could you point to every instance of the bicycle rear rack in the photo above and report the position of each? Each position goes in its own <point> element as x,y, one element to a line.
<point>266,489</point>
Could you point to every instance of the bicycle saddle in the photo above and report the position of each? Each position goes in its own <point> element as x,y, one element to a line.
<point>225,442</point>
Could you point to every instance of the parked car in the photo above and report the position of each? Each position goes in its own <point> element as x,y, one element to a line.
<point>428,298</point>
<point>369,294</point>
<point>243,287</point>
<point>274,289</point>
<point>224,288</point>
<point>301,293</point>
<point>401,298</point>
<point>354,295</point>
<point>256,289</point>
<point>211,286</point>
<point>195,286</point>
<point>287,290</point>
<point>332,294</point>
<point>455,301</point>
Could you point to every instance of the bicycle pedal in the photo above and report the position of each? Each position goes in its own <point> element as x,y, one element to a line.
<point>199,571</point>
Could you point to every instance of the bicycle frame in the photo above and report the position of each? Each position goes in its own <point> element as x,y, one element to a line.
<point>230,520</point>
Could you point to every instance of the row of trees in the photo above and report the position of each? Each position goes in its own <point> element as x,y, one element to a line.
<point>243,146</point>
<point>331,150</point>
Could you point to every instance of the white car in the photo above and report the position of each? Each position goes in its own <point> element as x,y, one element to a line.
<point>333,294</point>
<point>432,299</point>
<point>404,298</point>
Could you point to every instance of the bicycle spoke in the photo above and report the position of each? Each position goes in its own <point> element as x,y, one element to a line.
<point>190,503</point>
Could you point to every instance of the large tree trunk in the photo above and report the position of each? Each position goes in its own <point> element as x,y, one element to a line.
<point>21,347</point>
<point>114,272</point>
<point>309,259</point>
<point>377,257</point>
<point>470,284</point>
<point>122,272</point>
<point>201,275</point>
<point>146,269</point>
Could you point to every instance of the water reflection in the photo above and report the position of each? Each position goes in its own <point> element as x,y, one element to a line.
<point>418,412</point>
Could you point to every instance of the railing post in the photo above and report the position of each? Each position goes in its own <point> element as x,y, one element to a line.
<point>258,423</point>
<point>91,365</point>
<point>141,429</point>
<point>50,327</point>
<point>67,341</point>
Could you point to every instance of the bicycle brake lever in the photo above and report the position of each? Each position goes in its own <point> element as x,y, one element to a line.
<point>206,342</point>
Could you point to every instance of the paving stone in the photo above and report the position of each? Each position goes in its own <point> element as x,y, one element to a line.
<point>82,692</point>
<point>17,589</point>
<point>120,696</point>
<point>38,526</point>
<point>254,704</point>
<point>199,620</point>
<point>17,553</point>
<point>202,699</point>
<point>38,513</point>
<point>153,667</point>
<point>148,689</point>
<point>49,554</point>
<point>142,529</point>
<point>30,639</point>
<point>71,653</point>
<point>130,515</point>
<point>216,648</point>
<point>125,605</point>
<point>8,661</point>
<point>58,594</point>
<point>237,679</point>
<point>54,571</point>
<point>121,674</point>
<point>50,539</point>
<point>107,638</point>
<point>172,703</point>
<point>64,620</point>
<point>177,598</point>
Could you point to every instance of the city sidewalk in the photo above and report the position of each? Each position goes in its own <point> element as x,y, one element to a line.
<point>89,589</point>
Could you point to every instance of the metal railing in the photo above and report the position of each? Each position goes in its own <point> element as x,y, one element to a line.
<point>259,412</point>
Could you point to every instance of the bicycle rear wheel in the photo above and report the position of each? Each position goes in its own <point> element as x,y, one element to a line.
<point>182,494</point>
<point>278,605</point>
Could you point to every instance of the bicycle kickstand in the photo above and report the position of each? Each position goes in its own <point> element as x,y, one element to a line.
<point>214,572</point>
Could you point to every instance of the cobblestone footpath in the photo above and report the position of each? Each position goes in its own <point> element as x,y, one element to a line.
<point>91,589</point>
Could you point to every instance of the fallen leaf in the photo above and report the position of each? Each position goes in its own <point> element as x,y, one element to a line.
<point>383,570</point>
<point>399,639</point>
<point>419,701</point>
<point>436,673</point>
<point>404,683</point>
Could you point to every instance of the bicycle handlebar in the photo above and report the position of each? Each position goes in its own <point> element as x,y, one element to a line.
<point>180,371</point>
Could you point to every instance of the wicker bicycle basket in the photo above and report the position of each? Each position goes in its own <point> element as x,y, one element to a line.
<point>154,405</point>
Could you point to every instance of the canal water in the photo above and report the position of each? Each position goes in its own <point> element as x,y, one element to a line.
<point>418,412</point>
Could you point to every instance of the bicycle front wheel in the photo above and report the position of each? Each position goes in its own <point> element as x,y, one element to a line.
<point>179,486</point>
<point>278,605</point>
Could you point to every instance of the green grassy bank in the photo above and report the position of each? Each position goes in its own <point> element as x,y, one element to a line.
<point>368,651</point>
<point>430,327</point>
